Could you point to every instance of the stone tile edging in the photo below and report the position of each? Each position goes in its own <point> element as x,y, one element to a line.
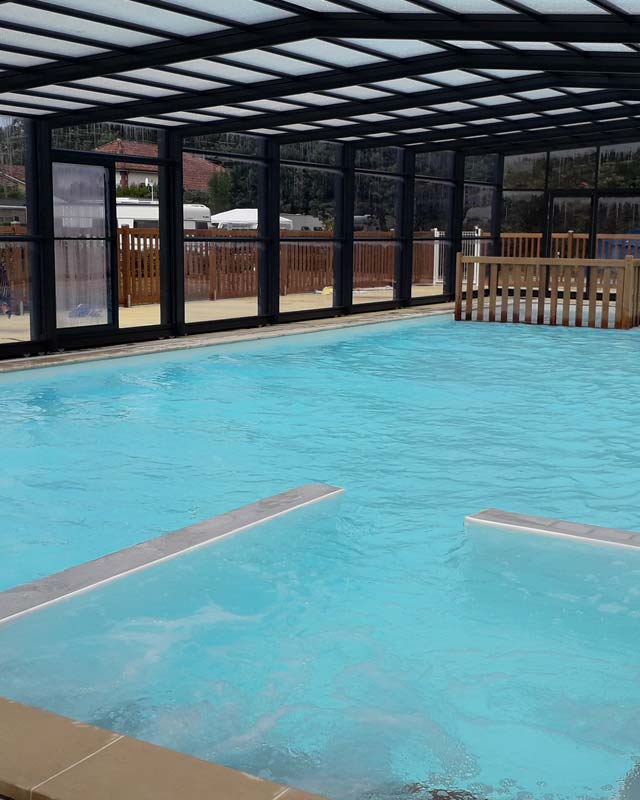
<point>496,518</point>
<point>28,597</point>
<point>45,756</point>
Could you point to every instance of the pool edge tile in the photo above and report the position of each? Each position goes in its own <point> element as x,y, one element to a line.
<point>548,526</point>
<point>28,597</point>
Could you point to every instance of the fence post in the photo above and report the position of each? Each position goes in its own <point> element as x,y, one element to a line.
<point>629,299</point>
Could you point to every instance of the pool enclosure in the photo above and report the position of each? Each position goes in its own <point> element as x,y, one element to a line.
<point>169,168</point>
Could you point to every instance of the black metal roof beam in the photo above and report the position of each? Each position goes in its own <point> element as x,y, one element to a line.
<point>563,61</point>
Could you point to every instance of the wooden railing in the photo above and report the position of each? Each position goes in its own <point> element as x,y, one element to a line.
<point>600,293</point>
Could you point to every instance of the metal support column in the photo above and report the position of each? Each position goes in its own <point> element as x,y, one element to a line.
<point>40,211</point>
<point>496,208</point>
<point>402,291</point>
<point>269,230</point>
<point>171,232</point>
<point>343,260</point>
<point>457,219</point>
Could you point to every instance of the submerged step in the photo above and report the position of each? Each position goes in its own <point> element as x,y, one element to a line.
<point>496,518</point>
<point>29,596</point>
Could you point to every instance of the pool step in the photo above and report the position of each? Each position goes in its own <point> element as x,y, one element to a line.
<point>525,523</point>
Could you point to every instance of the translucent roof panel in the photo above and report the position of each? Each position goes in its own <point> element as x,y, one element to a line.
<point>215,69</point>
<point>330,53</point>
<point>402,85</point>
<point>263,59</point>
<point>563,6</point>
<point>393,6</point>
<point>476,7</point>
<point>533,45</point>
<point>361,92</point>
<point>398,48</point>
<point>455,77</point>
<point>10,59</point>
<point>117,85</point>
<point>48,44</point>
<point>248,12</point>
<point>138,14</point>
<point>58,22</point>
<point>173,79</point>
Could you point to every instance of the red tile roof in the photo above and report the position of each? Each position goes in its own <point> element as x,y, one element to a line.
<point>196,171</point>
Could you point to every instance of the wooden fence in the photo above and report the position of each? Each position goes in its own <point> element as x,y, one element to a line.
<point>601,293</point>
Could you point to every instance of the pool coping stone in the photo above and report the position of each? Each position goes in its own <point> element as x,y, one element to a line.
<point>527,523</point>
<point>193,341</point>
<point>45,756</point>
<point>27,597</point>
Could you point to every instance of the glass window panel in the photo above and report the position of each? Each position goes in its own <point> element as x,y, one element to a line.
<point>481,168</point>
<point>308,200</point>
<point>15,290</point>
<point>525,171</point>
<point>312,152</point>
<point>374,270</point>
<point>13,176</point>
<point>433,205</point>
<point>79,202</point>
<point>108,137</point>
<point>620,165</point>
<point>429,263</point>
<point>376,203</point>
<point>227,187</point>
<point>220,276</point>
<point>385,159</point>
<point>619,215</point>
<point>572,169</point>
<point>570,226</point>
<point>237,143</point>
<point>306,273</point>
<point>478,209</point>
<point>82,282</point>
<point>523,212</point>
<point>438,164</point>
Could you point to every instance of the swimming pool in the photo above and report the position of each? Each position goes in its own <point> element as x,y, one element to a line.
<point>373,648</point>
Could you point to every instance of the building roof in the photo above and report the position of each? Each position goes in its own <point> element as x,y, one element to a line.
<point>476,75</point>
<point>12,174</point>
<point>197,171</point>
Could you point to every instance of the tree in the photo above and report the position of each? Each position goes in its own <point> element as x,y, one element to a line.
<point>220,185</point>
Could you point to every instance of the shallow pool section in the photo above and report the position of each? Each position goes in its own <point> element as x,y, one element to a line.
<point>483,662</point>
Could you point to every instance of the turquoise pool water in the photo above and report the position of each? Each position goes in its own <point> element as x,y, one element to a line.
<point>371,648</point>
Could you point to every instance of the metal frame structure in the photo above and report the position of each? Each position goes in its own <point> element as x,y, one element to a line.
<point>469,76</point>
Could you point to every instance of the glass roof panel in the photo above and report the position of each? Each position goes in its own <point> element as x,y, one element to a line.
<point>273,105</point>
<point>113,84</point>
<point>412,112</point>
<point>630,6</point>
<point>216,69</point>
<point>32,41</point>
<point>191,116</point>
<point>400,48</point>
<point>476,7</point>
<point>495,100</point>
<point>562,6</point>
<point>455,77</point>
<point>533,45</point>
<point>274,61</point>
<point>329,52</point>
<point>454,106</point>
<point>372,117</point>
<point>448,126</point>
<point>602,47</point>
<point>599,106</point>
<point>246,11</point>
<point>232,111</point>
<point>172,79</point>
<point>578,90</point>
<point>314,99</point>
<point>471,44</point>
<point>18,111</point>
<point>300,126</point>
<point>487,121</point>
<point>510,73</point>
<point>29,99</point>
<point>21,60</point>
<point>83,94</point>
<point>336,123</point>
<point>556,111</point>
<point>360,92</point>
<point>156,122</point>
<point>522,116</point>
<point>56,22</point>
<point>403,85</point>
<point>415,130</point>
<point>267,131</point>
<point>315,5</point>
<point>393,6</point>
<point>139,14</point>
<point>538,94</point>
